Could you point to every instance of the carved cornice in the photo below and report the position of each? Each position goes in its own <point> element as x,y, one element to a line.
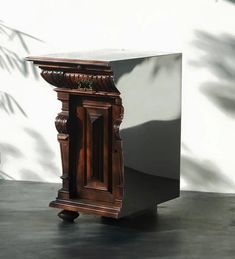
<point>80,81</point>
<point>61,123</point>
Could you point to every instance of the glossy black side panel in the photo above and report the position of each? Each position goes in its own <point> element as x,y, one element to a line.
<point>154,190</point>
<point>152,164</point>
<point>153,148</point>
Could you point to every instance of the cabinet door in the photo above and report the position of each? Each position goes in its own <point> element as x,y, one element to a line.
<point>94,156</point>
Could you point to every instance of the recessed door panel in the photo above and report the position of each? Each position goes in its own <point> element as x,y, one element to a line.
<point>94,170</point>
<point>97,148</point>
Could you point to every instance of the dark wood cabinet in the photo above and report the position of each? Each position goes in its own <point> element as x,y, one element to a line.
<point>108,170</point>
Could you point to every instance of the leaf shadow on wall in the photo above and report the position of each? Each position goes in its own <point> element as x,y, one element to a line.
<point>44,153</point>
<point>203,175</point>
<point>219,57</point>
<point>231,1</point>
<point>44,158</point>
<point>8,152</point>
<point>14,46</point>
<point>10,57</point>
<point>9,105</point>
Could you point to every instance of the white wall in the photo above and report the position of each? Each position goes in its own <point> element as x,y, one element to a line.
<point>202,30</point>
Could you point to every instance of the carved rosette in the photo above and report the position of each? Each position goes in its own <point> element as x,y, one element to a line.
<point>80,81</point>
<point>61,123</point>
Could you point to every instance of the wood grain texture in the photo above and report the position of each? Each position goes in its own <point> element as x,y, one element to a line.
<point>62,125</point>
<point>81,81</point>
<point>94,179</point>
<point>93,118</point>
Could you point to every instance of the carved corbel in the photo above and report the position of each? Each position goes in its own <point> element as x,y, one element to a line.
<point>62,124</point>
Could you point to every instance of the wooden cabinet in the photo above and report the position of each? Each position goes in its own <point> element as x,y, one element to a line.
<point>106,170</point>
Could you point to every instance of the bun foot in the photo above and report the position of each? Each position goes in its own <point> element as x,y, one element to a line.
<point>68,216</point>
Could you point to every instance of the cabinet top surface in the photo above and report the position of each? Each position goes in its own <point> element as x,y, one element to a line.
<point>100,56</point>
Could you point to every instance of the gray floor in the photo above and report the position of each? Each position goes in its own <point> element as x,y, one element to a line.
<point>197,225</point>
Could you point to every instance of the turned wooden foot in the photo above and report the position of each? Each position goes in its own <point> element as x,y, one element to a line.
<point>68,216</point>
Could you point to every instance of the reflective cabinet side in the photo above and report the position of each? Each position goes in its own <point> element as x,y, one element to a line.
<point>151,94</point>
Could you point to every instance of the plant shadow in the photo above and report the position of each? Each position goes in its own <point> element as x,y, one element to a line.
<point>204,175</point>
<point>219,57</point>
<point>10,105</point>
<point>10,57</point>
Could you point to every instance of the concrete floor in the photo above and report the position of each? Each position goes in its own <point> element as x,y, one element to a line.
<point>197,225</point>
